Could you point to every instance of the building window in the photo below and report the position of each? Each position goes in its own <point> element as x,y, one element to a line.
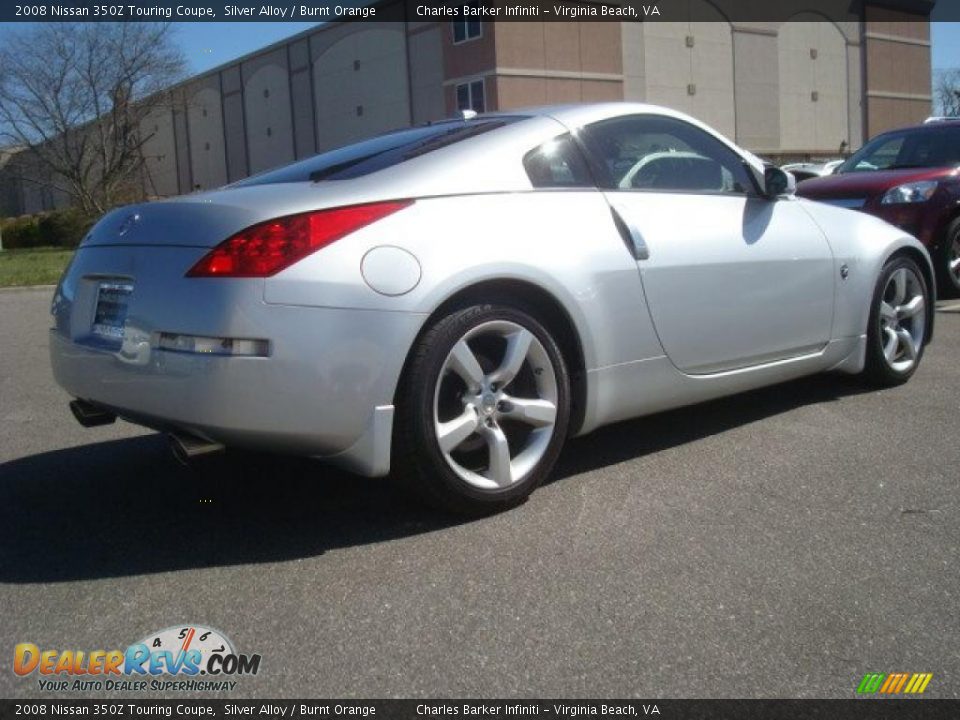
<point>464,30</point>
<point>470,96</point>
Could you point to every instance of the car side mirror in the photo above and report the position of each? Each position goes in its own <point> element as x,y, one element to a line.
<point>778,182</point>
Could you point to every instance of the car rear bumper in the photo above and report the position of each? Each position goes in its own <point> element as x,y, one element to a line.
<point>323,387</point>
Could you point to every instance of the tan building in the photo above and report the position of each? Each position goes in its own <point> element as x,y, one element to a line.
<point>813,86</point>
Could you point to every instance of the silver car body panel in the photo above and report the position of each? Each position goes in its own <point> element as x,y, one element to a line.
<point>748,255</point>
<point>736,293</point>
<point>252,401</point>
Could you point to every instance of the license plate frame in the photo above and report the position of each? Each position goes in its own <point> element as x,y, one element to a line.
<point>110,311</point>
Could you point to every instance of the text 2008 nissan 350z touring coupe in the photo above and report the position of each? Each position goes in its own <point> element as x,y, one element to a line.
<point>455,300</point>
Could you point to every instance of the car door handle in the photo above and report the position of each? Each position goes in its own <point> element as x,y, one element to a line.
<point>630,235</point>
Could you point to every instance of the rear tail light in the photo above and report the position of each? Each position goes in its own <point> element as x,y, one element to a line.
<point>266,249</point>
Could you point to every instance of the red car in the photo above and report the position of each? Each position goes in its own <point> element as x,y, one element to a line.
<point>910,178</point>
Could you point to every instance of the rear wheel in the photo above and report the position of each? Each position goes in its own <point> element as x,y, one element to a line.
<point>898,323</point>
<point>484,409</point>
<point>948,260</point>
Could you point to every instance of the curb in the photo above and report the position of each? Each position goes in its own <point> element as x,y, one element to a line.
<point>27,288</point>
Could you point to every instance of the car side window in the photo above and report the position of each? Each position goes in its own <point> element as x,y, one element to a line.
<point>883,156</point>
<point>931,148</point>
<point>663,154</point>
<point>558,163</point>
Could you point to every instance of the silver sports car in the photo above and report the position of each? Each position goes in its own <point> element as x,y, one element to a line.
<point>453,301</point>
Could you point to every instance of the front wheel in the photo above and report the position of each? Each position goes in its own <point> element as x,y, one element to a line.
<point>898,323</point>
<point>483,410</point>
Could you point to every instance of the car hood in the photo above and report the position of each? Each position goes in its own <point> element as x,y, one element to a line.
<point>866,184</point>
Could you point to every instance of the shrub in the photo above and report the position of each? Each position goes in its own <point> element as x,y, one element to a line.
<point>63,228</point>
<point>21,232</point>
<point>60,228</point>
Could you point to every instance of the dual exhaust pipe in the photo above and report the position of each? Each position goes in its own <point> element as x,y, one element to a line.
<point>90,415</point>
<point>189,448</point>
<point>186,448</point>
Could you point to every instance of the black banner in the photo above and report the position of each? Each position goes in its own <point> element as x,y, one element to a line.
<point>497,709</point>
<point>484,10</point>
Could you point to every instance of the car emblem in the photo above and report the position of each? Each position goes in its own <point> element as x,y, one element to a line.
<point>128,223</point>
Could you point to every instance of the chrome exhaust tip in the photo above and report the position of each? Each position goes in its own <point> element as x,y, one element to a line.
<point>90,415</point>
<point>187,448</point>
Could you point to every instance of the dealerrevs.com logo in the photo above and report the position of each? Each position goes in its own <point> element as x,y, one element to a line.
<point>196,657</point>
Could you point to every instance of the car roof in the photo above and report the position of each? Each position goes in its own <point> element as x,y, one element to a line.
<point>931,125</point>
<point>575,114</point>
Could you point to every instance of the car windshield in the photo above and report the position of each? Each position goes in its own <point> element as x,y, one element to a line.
<point>915,148</point>
<point>377,153</point>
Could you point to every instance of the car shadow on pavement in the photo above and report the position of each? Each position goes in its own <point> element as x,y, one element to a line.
<point>634,438</point>
<point>126,507</point>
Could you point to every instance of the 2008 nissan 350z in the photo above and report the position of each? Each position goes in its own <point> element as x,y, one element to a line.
<point>453,301</point>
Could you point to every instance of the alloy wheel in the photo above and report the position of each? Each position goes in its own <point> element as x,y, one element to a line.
<point>902,319</point>
<point>953,260</point>
<point>495,404</point>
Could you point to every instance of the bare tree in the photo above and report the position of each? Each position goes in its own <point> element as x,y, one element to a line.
<point>946,92</point>
<point>77,96</point>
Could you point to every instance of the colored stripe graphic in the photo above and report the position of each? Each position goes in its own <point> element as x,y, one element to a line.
<point>871,682</point>
<point>894,683</point>
<point>918,683</point>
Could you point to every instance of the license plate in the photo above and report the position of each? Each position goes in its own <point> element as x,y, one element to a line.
<point>111,314</point>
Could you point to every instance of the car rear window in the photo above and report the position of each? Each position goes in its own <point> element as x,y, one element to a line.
<point>378,153</point>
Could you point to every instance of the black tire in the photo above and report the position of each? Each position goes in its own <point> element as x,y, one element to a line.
<point>418,458</point>
<point>948,284</point>
<point>878,370</point>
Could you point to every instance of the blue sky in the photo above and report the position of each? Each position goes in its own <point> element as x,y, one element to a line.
<point>207,45</point>
<point>946,44</point>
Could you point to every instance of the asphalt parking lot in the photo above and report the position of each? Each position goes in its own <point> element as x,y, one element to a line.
<point>777,544</point>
